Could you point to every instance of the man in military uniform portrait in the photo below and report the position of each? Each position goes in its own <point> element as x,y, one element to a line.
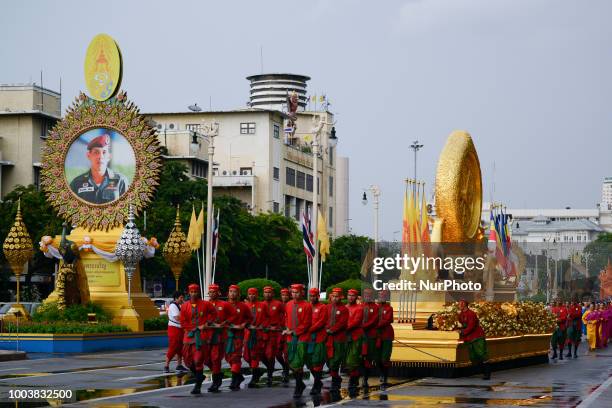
<point>100,184</point>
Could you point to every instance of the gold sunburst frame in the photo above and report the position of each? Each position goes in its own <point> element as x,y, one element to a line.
<point>119,115</point>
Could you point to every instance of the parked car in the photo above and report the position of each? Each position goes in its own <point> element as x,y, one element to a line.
<point>30,307</point>
<point>162,304</point>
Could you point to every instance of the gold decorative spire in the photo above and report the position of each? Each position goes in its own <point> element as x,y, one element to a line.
<point>18,249</point>
<point>176,250</point>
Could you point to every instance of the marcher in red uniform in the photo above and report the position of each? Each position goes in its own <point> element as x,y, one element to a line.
<point>337,321</point>
<point>354,330</point>
<point>386,335</point>
<point>559,335</point>
<point>283,355</point>
<point>175,334</point>
<point>196,314</point>
<point>370,329</point>
<point>574,329</point>
<point>474,336</point>
<point>256,338</point>
<point>298,320</point>
<point>276,323</point>
<point>317,353</point>
<point>218,335</point>
<point>235,336</point>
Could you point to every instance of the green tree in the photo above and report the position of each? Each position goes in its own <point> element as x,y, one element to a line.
<point>345,258</point>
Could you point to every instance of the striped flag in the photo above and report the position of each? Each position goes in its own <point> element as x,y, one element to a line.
<point>309,247</point>
<point>215,233</point>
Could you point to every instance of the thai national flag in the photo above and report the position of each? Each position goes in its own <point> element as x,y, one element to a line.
<point>215,241</point>
<point>309,247</point>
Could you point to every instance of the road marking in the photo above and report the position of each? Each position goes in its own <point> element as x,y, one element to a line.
<point>588,401</point>
<point>80,371</point>
<point>13,369</point>
<point>93,401</point>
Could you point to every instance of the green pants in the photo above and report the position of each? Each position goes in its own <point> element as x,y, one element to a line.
<point>574,334</point>
<point>385,351</point>
<point>373,351</point>
<point>316,355</point>
<point>334,362</point>
<point>558,338</point>
<point>354,358</point>
<point>296,352</point>
<point>478,350</point>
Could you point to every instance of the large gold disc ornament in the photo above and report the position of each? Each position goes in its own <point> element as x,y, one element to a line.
<point>103,67</point>
<point>459,189</point>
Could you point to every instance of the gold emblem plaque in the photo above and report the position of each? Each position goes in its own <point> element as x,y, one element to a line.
<point>459,189</point>
<point>102,67</point>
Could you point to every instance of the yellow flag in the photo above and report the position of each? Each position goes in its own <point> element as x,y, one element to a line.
<point>193,231</point>
<point>424,220</point>
<point>405,230</point>
<point>323,237</point>
<point>200,224</point>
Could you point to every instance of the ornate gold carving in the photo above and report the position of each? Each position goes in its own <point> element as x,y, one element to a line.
<point>116,114</point>
<point>18,250</point>
<point>176,250</point>
<point>459,189</point>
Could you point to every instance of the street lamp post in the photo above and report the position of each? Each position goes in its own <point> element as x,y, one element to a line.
<point>318,123</point>
<point>375,190</point>
<point>416,146</point>
<point>211,130</point>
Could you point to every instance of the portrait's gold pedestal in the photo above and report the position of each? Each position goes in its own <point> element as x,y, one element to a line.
<point>107,281</point>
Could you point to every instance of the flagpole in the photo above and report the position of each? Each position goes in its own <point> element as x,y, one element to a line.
<point>200,270</point>
<point>320,273</point>
<point>214,268</point>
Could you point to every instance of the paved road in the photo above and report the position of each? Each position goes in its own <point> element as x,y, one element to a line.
<point>135,379</point>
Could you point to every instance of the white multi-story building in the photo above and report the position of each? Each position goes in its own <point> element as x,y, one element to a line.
<point>600,216</point>
<point>255,162</point>
<point>27,114</point>
<point>606,194</point>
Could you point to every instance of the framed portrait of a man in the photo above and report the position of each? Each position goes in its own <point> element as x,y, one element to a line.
<point>99,161</point>
<point>100,165</point>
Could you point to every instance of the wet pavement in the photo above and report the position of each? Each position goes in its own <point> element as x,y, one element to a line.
<point>134,379</point>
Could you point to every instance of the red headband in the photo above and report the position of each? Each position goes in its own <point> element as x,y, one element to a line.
<point>252,291</point>
<point>313,291</point>
<point>236,287</point>
<point>268,289</point>
<point>193,287</point>
<point>213,286</point>
<point>353,292</point>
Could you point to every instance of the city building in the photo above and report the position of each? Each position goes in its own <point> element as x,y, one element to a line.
<point>258,162</point>
<point>27,113</point>
<point>601,215</point>
<point>606,194</point>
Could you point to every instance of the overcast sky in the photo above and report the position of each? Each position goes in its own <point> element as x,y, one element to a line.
<point>529,79</point>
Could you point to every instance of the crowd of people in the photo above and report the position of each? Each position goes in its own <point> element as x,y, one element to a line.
<point>575,319</point>
<point>356,337</point>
